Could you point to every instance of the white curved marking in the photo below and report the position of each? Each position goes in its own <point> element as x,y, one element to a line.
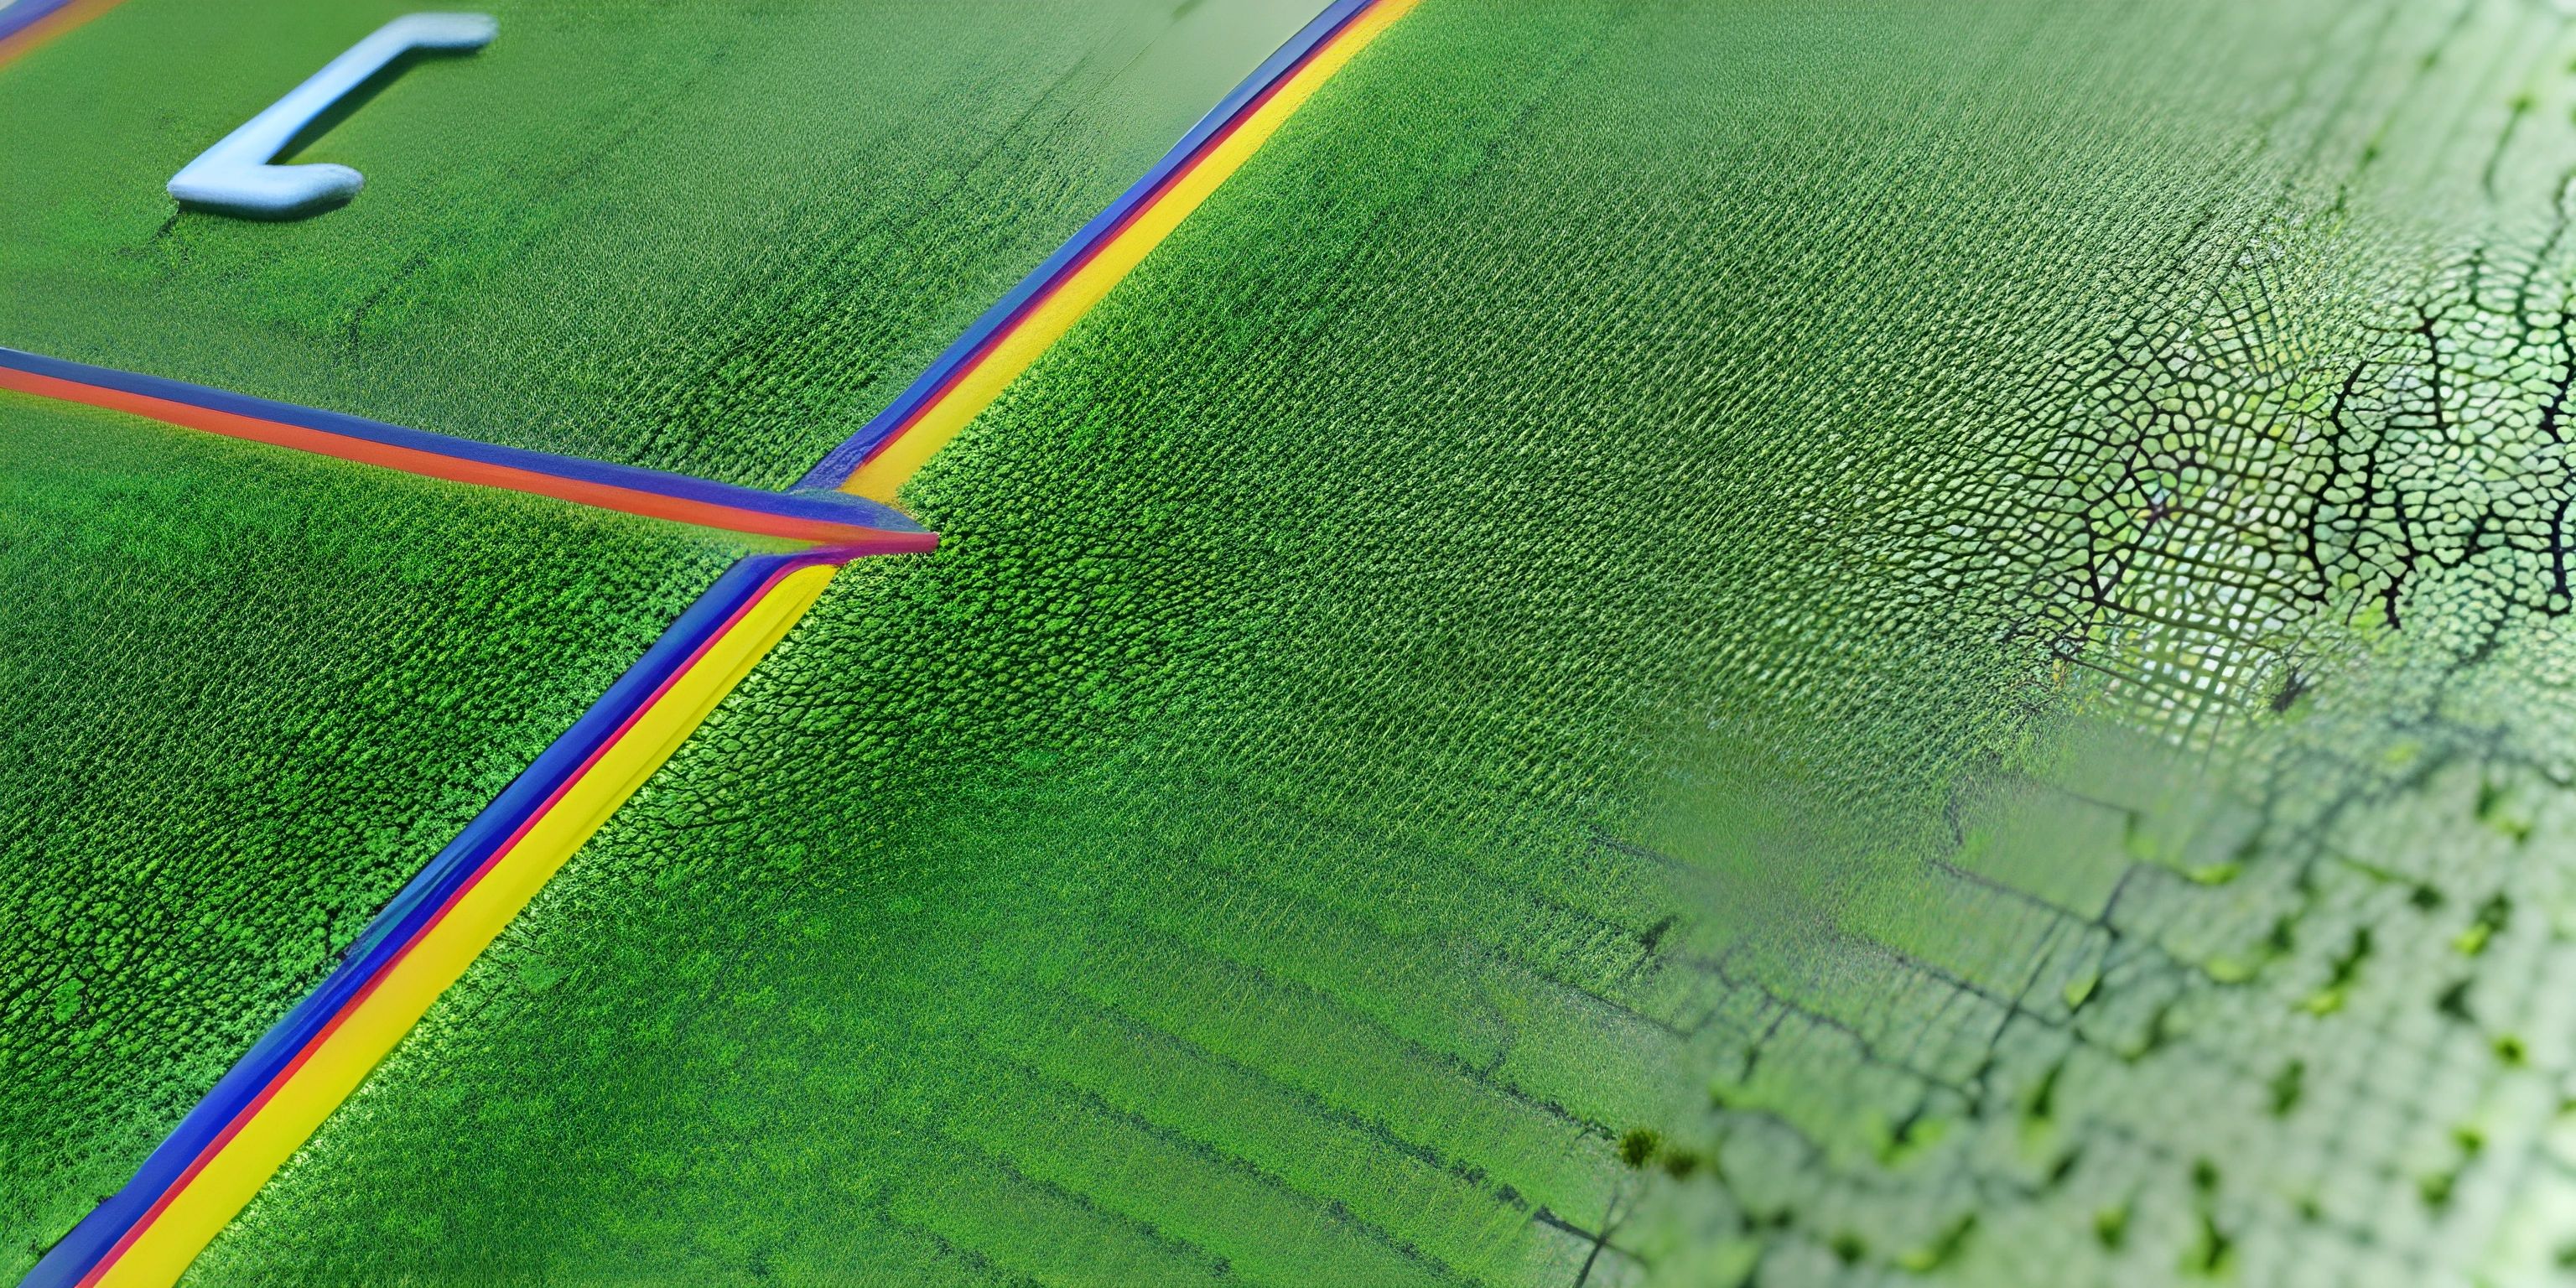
<point>235,177</point>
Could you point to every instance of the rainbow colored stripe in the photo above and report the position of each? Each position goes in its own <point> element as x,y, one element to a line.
<point>301,1069</point>
<point>24,14</point>
<point>964,379</point>
<point>822,518</point>
<point>299,1073</point>
<point>26,24</point>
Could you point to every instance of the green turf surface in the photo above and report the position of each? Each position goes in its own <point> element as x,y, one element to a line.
<point>1951,609</point>
<point>244,695</point>
<point>710,237</point>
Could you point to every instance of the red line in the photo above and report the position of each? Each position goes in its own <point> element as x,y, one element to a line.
<point>858,539</point>
<point>457,469</point>
<point>51,26</point>
<point>447,905</point>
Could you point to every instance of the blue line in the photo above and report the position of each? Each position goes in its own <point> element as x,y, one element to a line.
<point>63,1265</point>
<point>836,466</point>
<point>827,506</point>
<point>15,18</point>
<point>375,947</point>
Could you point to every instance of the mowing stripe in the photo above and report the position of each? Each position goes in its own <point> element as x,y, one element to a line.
<point>820,517</point>
<point>271,1102</point>
<point>966,378</point>
<point>27,24</point>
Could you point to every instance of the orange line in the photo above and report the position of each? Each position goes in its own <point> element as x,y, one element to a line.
<point>46,29</point>
<point>458,469</point>
<point>160,1248</point>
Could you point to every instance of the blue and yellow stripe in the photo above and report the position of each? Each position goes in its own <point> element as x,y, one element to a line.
<point>299,1073</point>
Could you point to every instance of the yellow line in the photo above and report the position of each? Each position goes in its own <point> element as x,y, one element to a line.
<point>342,1061</point>
<point>886,474</point>
<point>219,1192</point>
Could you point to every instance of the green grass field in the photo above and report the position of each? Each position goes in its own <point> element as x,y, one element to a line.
<point>1877,593</point>
<point>248,694</point>
<point>710,237</point>
<point>1800,644</point>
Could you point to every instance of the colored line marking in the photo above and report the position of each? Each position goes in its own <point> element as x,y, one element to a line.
<point>893,446</point>
<point>30,24</point>
<point>237,175</point>
<point>271,1102</point>
<point>820,518</point>
<point>276,1122</point>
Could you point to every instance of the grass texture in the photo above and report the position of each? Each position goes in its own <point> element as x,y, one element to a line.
<point>248,693</point>
<point>709,237</point>
<point>1796,644</point>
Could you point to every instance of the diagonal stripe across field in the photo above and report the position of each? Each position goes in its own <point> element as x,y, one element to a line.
<point>713,238</point>
<point>317,1055</point>
<point>1766,643</point>
<point>250,693</point>
<point>854,527</point>
<point>1946,607</point>
<point>27,24</point>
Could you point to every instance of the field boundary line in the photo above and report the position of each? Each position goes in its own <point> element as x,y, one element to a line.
<point>270,1103</point>
<point>29,25</point>
<point>304,1066</point>
<point>964,379</point>
<point>821,518</point>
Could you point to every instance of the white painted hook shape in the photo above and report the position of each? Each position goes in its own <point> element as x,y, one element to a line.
<point>234,177</point>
